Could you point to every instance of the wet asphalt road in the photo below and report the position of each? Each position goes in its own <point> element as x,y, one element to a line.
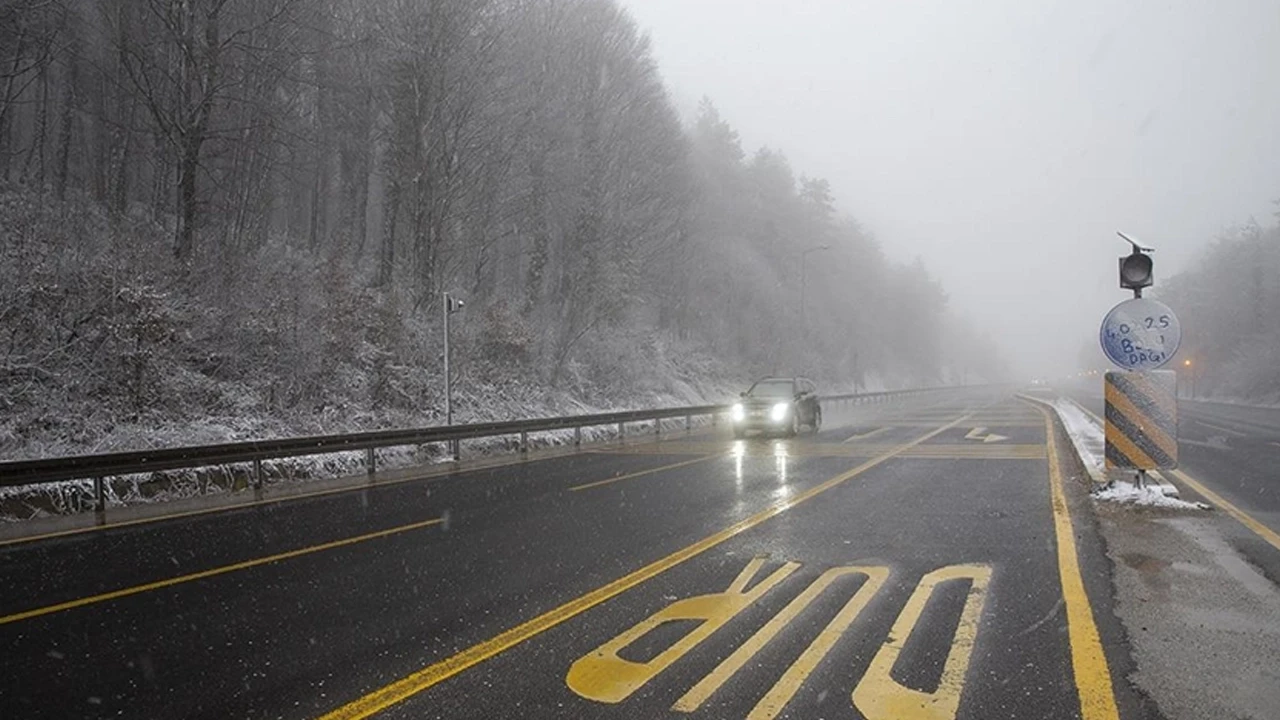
<point>900,563</point>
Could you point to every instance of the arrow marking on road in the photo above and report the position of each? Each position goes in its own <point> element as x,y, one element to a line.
<point>976,434</point>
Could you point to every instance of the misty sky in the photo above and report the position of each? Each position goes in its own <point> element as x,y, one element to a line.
<point>1004,141</point>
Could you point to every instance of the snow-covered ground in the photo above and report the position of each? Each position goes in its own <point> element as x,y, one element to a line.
<point>1086,435</point>
<point>1089,439</point>
<point>1121,491</point>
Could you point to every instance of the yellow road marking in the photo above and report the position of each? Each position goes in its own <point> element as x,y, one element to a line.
<point>1247,520</point>
<point>436,673</point>
<point>603,676</point>
<point>879,697</point>
<point>642,473</point>
<point>787,686</point>
<point>705,688</point>
<point>137,589</point>
<point>865,435</point>
<point>1088,660</point>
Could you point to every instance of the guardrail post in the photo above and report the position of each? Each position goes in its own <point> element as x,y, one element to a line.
<point>455,449</point>
<point>657,427</point>
<point>524,441</point>
<point>99,495</point>
<point>577,437</point>
<point>621,432</point>
<point>257,475</point>
<point>688,423</point>
<point>370,462</point>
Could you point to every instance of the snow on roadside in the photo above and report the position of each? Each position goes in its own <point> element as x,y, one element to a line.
<point>1149,496</point>
<point>1086,435</point>
<point>1090,442</point>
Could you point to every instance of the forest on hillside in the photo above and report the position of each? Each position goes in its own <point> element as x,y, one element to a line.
<point>1229,305</point>
<point>242,214</point>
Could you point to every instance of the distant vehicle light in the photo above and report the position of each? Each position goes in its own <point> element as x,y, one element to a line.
<point>779,412</point>
<point>738,413</point>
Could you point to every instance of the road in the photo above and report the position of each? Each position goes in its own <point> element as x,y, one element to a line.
<point>932,558</point>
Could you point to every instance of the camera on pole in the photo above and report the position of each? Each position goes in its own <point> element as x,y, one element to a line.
<point>1136,267</point>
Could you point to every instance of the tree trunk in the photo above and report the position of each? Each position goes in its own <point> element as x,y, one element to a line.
<point>185,237</point>
<point>391,208</point>
<point>35,155</point>
<point>65,130</point>
<point>160,197</point>
<point>7,106</point>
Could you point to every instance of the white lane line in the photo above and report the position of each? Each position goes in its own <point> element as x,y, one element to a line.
<point>865,435</point>
<point>1219,428</point>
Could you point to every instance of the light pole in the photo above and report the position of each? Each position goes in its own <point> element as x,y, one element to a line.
<point>450,306</point>
<point>1191,377</point>
<point>804,254</point>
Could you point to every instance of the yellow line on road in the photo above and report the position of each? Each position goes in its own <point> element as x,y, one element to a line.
<point>137,589</point>
<point>878,696</point>
<point>438,672</point>
<point>1088,660</point>
<point>773,702</point>
<point>875,577</point>
<point>1247,520</point>
<point>642,473</point>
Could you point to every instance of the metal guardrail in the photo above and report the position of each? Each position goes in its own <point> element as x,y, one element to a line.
<point>99,467</point>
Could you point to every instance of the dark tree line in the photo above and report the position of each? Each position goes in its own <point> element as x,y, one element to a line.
<point>275,192</point>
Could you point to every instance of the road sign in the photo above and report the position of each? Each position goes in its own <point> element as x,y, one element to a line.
<point>1140,334</point>
<point>1142,420</point>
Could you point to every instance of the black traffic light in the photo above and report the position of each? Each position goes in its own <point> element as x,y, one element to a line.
<point>1135,271</point>
<point>1136,268</point>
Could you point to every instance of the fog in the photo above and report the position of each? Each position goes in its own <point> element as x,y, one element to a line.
<point>1005,143</point>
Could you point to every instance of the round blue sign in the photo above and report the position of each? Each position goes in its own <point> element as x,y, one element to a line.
<point>1140,334</point>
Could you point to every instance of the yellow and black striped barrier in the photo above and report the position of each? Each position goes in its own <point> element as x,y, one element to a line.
<point>1142,420</point>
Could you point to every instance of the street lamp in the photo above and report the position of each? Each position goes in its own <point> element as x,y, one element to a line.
<point>804,254</point>
<point>450,306</point>
<point>1191,377</point>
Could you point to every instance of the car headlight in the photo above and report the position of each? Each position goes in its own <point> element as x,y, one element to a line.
<point>779,412</point>
<point>738,413</point>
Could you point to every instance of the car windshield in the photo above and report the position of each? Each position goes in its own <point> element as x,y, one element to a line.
<point>772,388</point>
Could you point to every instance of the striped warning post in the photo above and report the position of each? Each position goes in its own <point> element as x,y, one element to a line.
<point>1142,420</point>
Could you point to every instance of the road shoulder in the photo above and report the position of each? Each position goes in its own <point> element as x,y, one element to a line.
<point>1201,621</point>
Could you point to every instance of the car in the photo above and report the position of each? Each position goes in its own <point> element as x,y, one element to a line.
<point>777,405</point>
